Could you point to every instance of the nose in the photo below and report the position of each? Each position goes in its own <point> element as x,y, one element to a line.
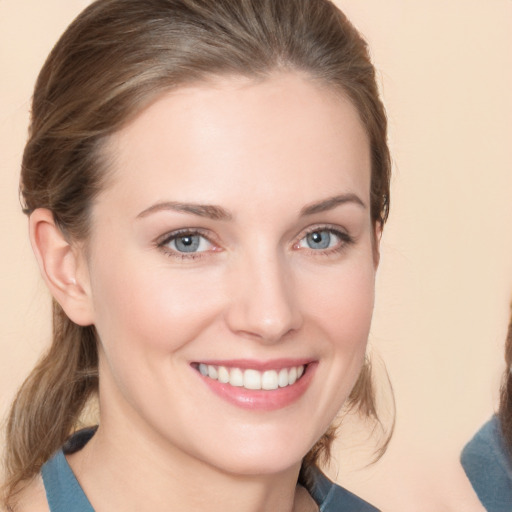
<point>263,304</point>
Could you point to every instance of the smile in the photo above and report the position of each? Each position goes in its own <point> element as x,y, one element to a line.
<point>252,379</point>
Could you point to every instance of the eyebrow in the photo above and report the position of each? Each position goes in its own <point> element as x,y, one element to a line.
<point>214,212</point>
<point>202,210</point>
<point>332,202</point>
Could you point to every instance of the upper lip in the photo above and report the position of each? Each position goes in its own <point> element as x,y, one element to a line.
<point>254,364</point>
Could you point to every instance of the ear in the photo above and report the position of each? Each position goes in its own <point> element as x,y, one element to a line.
<point>62,266</point>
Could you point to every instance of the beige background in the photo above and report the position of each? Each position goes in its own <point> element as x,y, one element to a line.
<point>446,273</point>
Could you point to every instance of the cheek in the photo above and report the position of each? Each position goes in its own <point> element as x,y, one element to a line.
<point>154,309</point>
<point>343,305</point>
<point>339,308</point>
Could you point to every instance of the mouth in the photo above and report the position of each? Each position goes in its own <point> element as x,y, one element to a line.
<point>258,385</point>
<point>251,378</point>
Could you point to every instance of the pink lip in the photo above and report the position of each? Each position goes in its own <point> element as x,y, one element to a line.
<point>260,399</point>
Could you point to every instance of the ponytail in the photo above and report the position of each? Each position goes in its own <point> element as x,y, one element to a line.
<point>48,405</point>
<point>505,411</point>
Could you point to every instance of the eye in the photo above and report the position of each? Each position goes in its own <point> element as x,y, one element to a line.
<point>322,239</point>
<point>186,243</point>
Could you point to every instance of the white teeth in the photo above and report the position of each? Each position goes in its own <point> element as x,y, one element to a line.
<point>269,380</point>
<point>236,377</point>
<point>212,372</point>
<point>223,374</point>
<point>253,379</point>
<point>292,375</point>
<point>283,378</point>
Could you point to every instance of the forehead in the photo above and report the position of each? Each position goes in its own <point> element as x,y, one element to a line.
<point>239,137</point>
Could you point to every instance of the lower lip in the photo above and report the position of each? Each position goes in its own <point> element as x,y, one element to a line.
<point>262,400</point>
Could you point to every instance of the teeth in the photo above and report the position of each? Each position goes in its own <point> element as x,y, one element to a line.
<point>212,372</point>
<point>223,374</point>
<point>253,379</point>
<point>269,380</point>
<point>236,377</point>
<point>282,379</point>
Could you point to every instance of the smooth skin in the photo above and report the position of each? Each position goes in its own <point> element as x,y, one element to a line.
<point>269,183</point>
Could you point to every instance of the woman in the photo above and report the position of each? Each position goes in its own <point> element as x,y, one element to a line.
<point>487,458</point>
<point>206,183</point>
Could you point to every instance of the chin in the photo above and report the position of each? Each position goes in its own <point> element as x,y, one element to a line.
<point>261,456</point>
<point>258,465</point>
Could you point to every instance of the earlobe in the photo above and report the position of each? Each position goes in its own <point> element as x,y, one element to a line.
<point>60,265</point>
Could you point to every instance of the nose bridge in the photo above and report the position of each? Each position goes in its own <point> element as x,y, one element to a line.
<point>264,304</point>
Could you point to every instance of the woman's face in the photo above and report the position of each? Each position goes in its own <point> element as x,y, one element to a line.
<point>234,250</point>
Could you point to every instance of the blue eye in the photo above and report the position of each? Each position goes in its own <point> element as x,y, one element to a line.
<point>321,239</point>
<point>187,243</point>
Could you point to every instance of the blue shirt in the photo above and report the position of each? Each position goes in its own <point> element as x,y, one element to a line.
<point>64,493</point>
<point>487,464</point>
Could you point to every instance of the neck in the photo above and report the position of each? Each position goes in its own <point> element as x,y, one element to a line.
<point>121,472</point>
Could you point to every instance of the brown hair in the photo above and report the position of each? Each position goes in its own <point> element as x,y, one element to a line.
<point>111,62</point>
<point>505,410</point>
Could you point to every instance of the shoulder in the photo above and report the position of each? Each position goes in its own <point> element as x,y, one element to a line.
<point>488,467</point>
<point>487,447</point>
<point>330,496</point>
<point>31,497</point>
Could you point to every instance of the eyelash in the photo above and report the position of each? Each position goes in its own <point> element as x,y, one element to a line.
<point>345,240</point>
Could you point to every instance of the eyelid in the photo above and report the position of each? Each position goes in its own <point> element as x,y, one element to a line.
<point>176,233</point>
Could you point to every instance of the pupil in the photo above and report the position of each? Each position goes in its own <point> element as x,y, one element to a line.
<point>186,240</point>
<point>317,237</point>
